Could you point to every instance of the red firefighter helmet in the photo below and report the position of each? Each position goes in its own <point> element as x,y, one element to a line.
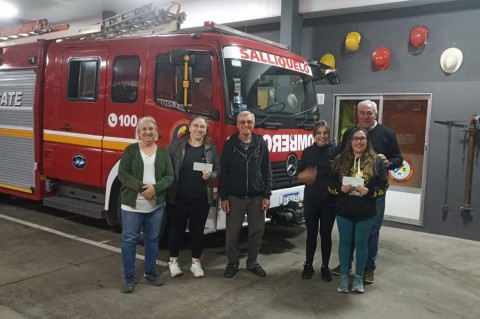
<point>381,58</point>
<point>418,38</point>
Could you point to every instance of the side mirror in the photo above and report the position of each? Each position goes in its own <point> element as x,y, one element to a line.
<point>321,71</point>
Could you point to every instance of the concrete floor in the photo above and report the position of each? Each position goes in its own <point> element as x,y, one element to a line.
<point>44,274</point>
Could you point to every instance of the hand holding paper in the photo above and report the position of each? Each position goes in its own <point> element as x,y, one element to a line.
<point>202,167</point>
<point>354,181</point>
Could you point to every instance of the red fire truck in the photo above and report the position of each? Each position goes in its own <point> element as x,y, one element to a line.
<point>68,109</point>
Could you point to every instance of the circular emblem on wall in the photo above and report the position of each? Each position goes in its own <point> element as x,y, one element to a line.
<point>79,161</point>
<point>403,173</point>
<point>178,129</point>
<point>291,164</point>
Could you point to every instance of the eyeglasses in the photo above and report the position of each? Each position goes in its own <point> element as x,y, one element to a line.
<point>366,113</point>
<point>359,139</point>
<point>249,122</point>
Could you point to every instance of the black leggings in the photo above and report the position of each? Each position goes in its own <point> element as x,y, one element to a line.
<point>185,212</point>
<point>315,218</point>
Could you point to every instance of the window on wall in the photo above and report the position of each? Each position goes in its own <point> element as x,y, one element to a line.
<point>83,79</point>
<point>167,90</point>
<point>125,76</point>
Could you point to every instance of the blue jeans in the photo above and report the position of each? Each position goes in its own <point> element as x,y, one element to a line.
<point>132,224</point>
<point>375,234</point>
<point>353,232</point>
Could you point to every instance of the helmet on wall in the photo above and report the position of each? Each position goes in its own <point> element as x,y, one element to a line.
<point>451,60</point>
<point>381,58</point>
<point>327,67</point>
<point>352,41</point>
<point>418,39</point>
<point>328,60</point>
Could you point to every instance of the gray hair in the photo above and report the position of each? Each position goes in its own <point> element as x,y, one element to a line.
<point>245,113</point>
<point>370,104</point>
<point>140,124</point>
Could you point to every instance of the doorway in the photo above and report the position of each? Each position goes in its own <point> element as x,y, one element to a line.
<point>408,116</point>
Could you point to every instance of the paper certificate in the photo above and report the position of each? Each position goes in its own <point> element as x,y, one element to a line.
<point>354,181</point>
<point>202,167</point>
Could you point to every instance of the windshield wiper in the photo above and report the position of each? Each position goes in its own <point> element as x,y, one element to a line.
<point>268,125</point>
<point>313,109</point>
<point>304,124</point>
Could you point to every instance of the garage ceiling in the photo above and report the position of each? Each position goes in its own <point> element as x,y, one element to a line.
<point>86,12</point>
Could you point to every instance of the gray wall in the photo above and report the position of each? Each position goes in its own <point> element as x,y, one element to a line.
<point>454,96</point>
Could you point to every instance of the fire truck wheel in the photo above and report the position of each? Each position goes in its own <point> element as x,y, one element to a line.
<point>165,232</point>
<point>114,214</point>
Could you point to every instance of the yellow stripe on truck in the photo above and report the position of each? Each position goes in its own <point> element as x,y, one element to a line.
<point>115,145</point>
<point>76,140</point>
<point>15,188</point>
<point>16,133</point>
<point>96,141</point>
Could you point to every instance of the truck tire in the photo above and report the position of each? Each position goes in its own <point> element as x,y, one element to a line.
<point>114,214</point>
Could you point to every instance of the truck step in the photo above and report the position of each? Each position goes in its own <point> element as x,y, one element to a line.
<point>77,206</point>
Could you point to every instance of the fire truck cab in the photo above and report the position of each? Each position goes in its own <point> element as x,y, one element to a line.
<point>68,109</point>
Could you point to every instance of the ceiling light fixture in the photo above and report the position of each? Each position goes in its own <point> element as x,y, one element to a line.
<point>7,10</point>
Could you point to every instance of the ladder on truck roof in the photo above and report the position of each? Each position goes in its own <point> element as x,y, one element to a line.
<point>144,20</point>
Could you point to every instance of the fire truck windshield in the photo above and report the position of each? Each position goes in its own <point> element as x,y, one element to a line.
<point>274,94</point>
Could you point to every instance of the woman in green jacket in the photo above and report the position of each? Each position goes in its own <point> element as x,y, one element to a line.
<point>145,172</point>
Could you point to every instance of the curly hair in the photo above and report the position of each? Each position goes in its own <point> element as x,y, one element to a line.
<point>343,162</point>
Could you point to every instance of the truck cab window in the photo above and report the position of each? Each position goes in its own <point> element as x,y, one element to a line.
<point>83,79</point>
<point>125,76</point>
<point>201,84</point>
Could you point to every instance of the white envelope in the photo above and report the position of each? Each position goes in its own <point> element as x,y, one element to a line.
<point>202,167</point>
<point>354,181</point>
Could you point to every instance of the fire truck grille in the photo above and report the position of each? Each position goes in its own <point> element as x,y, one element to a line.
<point>280,177</point>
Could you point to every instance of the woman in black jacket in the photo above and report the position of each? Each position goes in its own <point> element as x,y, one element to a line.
<point>314,169</point>
<point>358,178</point>
<point>196,164</point>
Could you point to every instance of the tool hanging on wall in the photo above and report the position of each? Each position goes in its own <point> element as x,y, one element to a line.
<point>470,131</point>
<point>450,124</point>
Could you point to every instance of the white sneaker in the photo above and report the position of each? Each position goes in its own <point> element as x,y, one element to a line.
<point>197,270</point>
<point>175,270</point>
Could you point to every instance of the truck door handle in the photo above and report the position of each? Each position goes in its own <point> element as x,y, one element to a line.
<point>66,127</point>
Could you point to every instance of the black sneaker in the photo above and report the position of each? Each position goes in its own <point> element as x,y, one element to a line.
<point>231,270</point>
<point>369,276</point>
<point>308,271</point>
<point>258,270</point>
<point>128,285</point>
<point>326,274</point>
<point>154,279</point>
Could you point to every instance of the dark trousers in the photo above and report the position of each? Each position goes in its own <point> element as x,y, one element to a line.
<point>256,227</point>
<point>318,218</point>
<point>185,212</point>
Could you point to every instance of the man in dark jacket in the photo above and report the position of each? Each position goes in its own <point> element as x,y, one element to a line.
<point>245,186</point>
<point>385,144</point>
